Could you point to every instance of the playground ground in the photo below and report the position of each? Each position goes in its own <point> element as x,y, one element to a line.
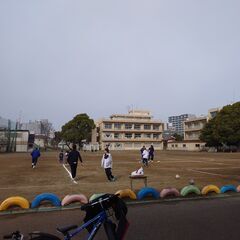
<point>17,178</point>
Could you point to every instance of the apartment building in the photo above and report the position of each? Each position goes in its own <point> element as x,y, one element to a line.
<point>130,131</point>
<point>192,130</point>
<point>177,122</point>
<point>193,127</point>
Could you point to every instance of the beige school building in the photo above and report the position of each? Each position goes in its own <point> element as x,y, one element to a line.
<point>130,131</point>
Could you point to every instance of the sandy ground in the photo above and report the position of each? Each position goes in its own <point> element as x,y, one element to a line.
<point>17,178</point>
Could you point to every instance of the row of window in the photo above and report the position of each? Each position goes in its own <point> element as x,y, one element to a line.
<point>135,126</point>
<point>184,145</point>
<point>130,135</point>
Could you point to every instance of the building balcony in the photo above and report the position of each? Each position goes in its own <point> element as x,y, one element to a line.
<point>193,129</point>
<point>131,140</point>
<point>131,130</point>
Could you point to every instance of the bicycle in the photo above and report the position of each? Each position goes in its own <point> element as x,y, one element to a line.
<point>98,213</point>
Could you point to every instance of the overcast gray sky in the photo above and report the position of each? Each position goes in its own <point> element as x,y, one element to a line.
<point>59,58</point>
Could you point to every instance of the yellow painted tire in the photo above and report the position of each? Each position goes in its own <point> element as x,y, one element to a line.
<point>126,193</point>
<point>14,201</point>
<point>210,188</point>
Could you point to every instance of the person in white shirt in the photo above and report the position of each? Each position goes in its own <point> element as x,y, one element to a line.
<point>107,165</point>
<point>145,156</point>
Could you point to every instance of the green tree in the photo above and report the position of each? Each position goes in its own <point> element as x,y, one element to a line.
<point>57,138</point>
<point>224,129</point>
<point>178,137</point>
<point>78,129</point>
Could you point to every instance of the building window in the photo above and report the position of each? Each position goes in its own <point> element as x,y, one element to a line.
<point>128,135</point>
<point>137,135</point>
<point>137,126</point>
<point>197,145</point>
<point>176,145</point>
<point>118,145</point>
<point>107,135</point>
<point>184,145</point>
<point>147,126</point>
<point>116,135</point>
<point>173,145</point>
<point>117,125</point>
<point>148,135</point>
<point>108,125</point>
<point>128,126</point>
<point>155,136</point>
<point>156,126</point>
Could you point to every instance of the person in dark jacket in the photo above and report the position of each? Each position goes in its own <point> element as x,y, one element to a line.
<point>35,155</point>
<point>151,152</point>
<point>72,159</point>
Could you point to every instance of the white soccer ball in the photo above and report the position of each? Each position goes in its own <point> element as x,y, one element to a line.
<point>177,176</point>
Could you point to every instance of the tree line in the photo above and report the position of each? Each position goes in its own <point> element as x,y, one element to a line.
<point>223,131</point>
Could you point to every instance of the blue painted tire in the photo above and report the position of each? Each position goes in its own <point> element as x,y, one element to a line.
<point>46,197</point>
<point>148,191</point>
<point>228,188</point>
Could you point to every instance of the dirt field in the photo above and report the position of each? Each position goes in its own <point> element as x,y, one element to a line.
<point>18,178</point>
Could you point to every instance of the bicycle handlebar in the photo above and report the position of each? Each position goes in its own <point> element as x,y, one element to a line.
<point>100,200</point>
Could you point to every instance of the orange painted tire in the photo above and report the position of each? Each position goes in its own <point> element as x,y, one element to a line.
<point>126,193</point>
<point>74,198</point>
<point>14,201</point>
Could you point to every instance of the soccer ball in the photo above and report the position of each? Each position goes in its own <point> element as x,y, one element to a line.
<point>177,176</point>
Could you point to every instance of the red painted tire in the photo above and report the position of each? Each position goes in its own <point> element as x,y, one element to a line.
<point>169,191</point>
<point>74,198</point>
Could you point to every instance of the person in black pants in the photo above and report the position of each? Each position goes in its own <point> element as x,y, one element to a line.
<point>73,157</point>
<point>151,153</point>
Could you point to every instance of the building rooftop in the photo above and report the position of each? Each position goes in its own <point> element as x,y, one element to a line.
<point>133,114</point>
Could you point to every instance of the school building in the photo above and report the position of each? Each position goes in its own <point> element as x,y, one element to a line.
<point>130,131</point>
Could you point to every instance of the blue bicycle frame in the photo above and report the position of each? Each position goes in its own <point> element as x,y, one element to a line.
<point>100,218</point>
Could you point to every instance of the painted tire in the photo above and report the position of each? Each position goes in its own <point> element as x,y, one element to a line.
<point>14,201</point>
<point>190,189</point>
<point>126,193</point>
<point>46,197</point>
<point>147,191</point>
<point>228,188</point>
<point>169,192</point>
<point>96,195</point>
<point>238,188</point>
<point>210,188</point>
<point>74,198</point>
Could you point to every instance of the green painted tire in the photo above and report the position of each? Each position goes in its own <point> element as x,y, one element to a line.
<point>190,189</point>
<point>96,195</point>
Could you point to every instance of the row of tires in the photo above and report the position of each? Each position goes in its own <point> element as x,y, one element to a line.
<point>125,193</point>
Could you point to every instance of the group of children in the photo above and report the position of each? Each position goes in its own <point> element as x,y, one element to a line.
<point>147,155</point>
<point>106,162</point>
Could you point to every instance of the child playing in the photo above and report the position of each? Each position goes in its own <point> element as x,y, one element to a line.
<point>107,165</point>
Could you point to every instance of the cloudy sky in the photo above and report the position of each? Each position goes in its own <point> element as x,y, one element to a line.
<point>59,58</point>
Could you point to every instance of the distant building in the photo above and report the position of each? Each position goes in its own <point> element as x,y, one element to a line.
<point>34,127</point>
<point>14,140</point>
<point>176,122</point>
<point>130,131</point>
<point>193,127</point>
<point>7,124</point>
<point>42,131</point>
